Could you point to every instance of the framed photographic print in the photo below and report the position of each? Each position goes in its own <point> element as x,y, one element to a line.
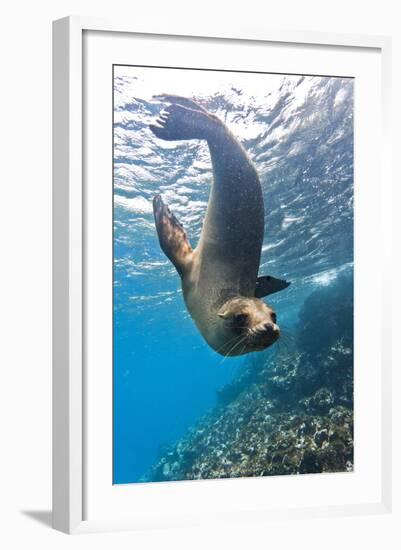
<point>219,349</point>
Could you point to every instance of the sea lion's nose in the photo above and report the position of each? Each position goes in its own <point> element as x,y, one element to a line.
<point>272,330</point>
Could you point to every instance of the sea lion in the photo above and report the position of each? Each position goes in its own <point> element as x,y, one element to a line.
<point>219,278</point>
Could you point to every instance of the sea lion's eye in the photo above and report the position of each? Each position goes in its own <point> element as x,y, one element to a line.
<point>274,317</point>
<point>240,319</point>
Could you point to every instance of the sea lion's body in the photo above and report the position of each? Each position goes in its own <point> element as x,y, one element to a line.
<point>228,254</point>
<point>220,277</point>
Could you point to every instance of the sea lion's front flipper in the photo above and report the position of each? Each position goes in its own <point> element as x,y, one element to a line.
<point>172,237</point>
<point>268,285</point>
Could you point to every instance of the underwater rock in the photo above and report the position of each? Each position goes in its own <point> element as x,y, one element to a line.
<point>320,402</point>
<point>275,444</point>
<point>321,437</point>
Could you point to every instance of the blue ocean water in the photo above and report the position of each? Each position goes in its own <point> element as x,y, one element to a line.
<point>298,130</point>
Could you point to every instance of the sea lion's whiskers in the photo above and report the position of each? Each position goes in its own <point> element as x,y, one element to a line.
<point>248,333</point>
<point>218,350</point>
<point>287,331</point>
<point>288,340</point>
<point>242,349</point>
<point>241,340</point>
<point>283,346</point>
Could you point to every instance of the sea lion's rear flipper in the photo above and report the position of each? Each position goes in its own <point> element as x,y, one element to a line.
<point>183,120</point>
<point>172,237</point>
<point>179,100</point>
<point>268,285</point>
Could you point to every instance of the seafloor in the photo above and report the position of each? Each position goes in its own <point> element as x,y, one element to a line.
<point>285,413</point>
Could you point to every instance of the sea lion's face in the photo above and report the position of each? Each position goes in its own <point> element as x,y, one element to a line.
<point>246,325</point>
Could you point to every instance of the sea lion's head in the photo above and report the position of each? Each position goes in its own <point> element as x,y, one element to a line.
<point>246,325</point>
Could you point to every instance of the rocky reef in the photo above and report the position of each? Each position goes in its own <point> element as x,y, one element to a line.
<point>289,413</point>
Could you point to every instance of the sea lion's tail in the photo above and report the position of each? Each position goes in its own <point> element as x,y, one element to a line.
<point>183,119</point>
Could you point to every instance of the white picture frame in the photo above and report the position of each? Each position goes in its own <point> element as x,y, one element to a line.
<point>70,286</point>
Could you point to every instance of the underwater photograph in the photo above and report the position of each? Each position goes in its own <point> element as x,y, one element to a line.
<point>233,274</point>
